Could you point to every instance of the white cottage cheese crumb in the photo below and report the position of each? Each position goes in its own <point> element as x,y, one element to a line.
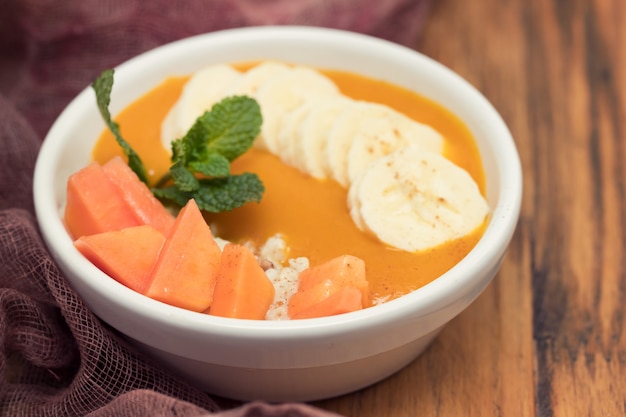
<point>274,250</point>
<point>285,280</point>
<point>282,272</point>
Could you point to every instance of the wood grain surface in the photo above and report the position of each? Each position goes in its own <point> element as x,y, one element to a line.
<point>548,336</point>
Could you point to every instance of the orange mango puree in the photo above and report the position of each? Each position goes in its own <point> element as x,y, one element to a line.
<point>310,214</point>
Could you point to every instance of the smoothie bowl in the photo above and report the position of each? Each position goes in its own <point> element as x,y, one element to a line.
<point>367,154</point>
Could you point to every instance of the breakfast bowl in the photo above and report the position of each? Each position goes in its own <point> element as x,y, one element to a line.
<point>284,360</point>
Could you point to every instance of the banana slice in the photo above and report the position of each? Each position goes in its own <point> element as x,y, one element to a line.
<point>281,95</point>
<point>414,200</point>
<point>250,82</point>
<point>310,150</point>
<point>377,137</point>
<point>205,88</point>
<point>354,203</point>
<point>354,120</point>
<point>289,133</point>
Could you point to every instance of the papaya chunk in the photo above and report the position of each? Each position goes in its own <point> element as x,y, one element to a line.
<point>185,270</point>
<point>138,196</point>
<point>127,255</point>
<point>242,290</point>
<point>321,282</point>
<point>94,204</point>
<point>344,300</point>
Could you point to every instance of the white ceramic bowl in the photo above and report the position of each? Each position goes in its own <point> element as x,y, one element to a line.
<point>284,360</point>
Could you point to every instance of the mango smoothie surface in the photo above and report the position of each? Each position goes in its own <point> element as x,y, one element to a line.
<point>308,210</point>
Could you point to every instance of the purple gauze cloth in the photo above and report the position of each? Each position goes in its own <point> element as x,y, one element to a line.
<point>56,357</point>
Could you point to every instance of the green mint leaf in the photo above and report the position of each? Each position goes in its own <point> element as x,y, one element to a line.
<point>183,178</point>
<point>224,194</point>
<point>214,165</point>
<point>218,194</point>
<point>102,86</point>
<point>179,151</point>
<point>228,130</point>
<point>173,194</point>
<point>232,125</point>
<point>193,146</point>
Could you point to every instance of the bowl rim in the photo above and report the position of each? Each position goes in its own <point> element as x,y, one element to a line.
<point>434,296</point>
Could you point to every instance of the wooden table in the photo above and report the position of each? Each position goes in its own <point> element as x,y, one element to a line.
<point>548,336</point>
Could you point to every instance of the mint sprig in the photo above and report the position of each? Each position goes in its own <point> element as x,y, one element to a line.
<point>201,159</point>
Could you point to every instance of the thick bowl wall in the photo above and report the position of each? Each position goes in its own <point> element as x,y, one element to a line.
<point>256,356</point>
